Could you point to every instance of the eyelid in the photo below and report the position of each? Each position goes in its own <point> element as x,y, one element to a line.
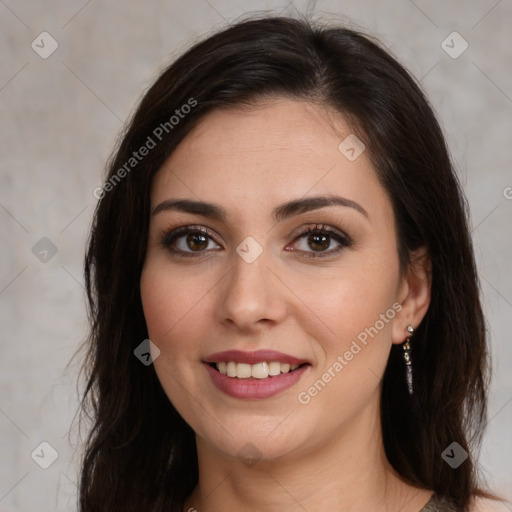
<point>322,228</point>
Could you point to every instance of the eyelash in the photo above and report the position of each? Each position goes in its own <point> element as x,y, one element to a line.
<point>167,238</point>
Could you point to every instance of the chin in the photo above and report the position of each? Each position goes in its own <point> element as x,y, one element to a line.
<point>255,438</point>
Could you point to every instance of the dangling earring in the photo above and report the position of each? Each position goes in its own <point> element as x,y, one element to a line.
<point>407,358</point>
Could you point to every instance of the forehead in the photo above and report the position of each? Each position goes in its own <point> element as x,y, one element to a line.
<point>268,153</point>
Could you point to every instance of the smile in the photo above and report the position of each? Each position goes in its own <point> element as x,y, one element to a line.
<point>254,375</point>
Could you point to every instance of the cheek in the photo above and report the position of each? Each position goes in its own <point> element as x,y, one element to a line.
<point>353,299</point>
<point>158,304</point>
<point>170,307</point>
<point>169,310</point>
<point>170,301</point>
<point>178,312</point>
<point>358,305</point>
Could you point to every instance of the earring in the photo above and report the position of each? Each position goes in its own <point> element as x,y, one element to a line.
<point>407,358</point>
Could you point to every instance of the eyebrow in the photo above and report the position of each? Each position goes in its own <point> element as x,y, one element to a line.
<point>281,212</point>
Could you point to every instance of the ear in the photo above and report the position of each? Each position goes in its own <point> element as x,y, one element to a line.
<point>413,294</point>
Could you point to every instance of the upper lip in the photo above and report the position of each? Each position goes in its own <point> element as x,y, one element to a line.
<point>259,356</point>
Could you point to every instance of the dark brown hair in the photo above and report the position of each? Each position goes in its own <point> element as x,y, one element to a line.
<point>140,454</point>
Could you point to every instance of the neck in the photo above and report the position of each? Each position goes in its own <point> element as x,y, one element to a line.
<point>348,472</point>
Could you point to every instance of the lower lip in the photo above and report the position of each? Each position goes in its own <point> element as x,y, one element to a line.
<point>255,388</point>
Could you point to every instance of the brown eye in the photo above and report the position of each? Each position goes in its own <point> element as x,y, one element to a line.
<point>319,242</point>
<point>188,241</point>
<point>197,241</point>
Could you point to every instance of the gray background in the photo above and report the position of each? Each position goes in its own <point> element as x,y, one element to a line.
<point>61,116</point>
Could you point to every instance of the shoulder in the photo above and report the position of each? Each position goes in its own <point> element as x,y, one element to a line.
<point>488,505</point>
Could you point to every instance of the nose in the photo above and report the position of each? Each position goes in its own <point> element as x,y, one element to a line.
<point>251,296</point>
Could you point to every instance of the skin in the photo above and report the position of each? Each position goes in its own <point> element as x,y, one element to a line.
<point>326,454</point>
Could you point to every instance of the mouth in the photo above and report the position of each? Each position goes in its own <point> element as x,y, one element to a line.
<point>261,370</point>
<point>253,375</point>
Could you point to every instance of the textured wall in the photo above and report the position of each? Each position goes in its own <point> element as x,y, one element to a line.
<point>60,117</point>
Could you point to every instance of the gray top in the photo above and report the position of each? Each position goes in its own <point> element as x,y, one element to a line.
<point>438,504</point>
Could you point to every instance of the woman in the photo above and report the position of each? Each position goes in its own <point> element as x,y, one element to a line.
<point>284,301</point>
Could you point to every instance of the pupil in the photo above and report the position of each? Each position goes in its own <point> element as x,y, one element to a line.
<point>195,239</point>
<point>314,239</point>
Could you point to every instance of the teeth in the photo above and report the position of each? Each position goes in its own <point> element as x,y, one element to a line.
<point>230,369</point>
<point>274,368</point>
<point>258,371</point>
<point>243,371</point>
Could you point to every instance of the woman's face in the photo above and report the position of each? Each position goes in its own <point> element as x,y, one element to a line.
<point>256,293</point>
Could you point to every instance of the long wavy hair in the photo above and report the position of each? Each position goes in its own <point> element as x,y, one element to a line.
<point>140,455</point>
